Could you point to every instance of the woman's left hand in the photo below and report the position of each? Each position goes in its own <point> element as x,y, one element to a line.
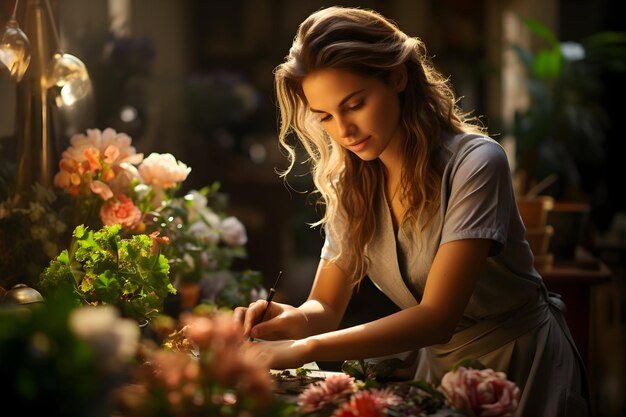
<point>279,354</point>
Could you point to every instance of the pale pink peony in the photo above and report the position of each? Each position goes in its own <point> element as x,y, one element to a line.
<point>120,210</point>
<point>233,232</point>
<point>97,155</point>
<point>481,393</point>
<point>163,170</point>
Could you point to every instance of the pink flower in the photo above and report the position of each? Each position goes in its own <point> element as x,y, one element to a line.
<point>100,155</point>
<point>163,170</point>
<point>157,241</point>
<point>120,210</point>
<point>481,393</point>
<point>101,189</point>
<point>332,389</point>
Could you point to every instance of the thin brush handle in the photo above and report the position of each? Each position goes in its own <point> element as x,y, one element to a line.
<point>268,300</point>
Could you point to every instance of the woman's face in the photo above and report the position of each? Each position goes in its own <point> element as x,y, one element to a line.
<point>362,114</point>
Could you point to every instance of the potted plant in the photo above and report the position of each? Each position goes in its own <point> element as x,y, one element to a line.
<point>564,125</point>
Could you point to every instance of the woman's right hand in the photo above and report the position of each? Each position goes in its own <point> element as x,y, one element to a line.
<point>281,321</point>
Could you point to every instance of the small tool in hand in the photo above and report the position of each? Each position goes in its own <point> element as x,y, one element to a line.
<point>269,298</point>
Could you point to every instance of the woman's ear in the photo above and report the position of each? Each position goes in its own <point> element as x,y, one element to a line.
<point>399,78</point>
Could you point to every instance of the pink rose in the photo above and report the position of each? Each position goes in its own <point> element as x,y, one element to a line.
<point>120,210</point>
<point>481,393</point>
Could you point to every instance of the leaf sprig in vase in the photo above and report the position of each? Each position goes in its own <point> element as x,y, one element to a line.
<point>105,268</point>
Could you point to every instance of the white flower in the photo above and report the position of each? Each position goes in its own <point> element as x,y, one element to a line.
<point>114,339</point>
<point>189,261</point>
<point>163,170</point>
<point>234,232</point>
<point>210,218</point>
<point>199,200</point>
<point>200,230</point>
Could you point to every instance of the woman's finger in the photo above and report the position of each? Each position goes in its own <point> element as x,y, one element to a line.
<point>239,313</point>
<point>252,316</point>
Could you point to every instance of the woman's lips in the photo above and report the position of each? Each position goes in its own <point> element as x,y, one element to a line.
<point>358,146</point>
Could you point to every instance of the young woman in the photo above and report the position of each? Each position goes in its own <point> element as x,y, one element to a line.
<point>420,201</point>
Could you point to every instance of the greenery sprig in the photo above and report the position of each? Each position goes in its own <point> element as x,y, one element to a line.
<point>105,268</point>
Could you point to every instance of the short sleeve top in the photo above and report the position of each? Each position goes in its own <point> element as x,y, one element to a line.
<point>477,201</point>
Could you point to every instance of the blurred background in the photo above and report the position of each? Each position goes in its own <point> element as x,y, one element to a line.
<point>194,78</point>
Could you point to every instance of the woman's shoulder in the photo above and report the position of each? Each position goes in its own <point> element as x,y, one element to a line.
<point>474,146</point>
<point>469,152</point>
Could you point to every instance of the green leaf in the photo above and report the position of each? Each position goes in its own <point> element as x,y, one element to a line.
<point>426,387</point>
<point>385,368</point>
<point>548,64</point>
<point>351,368</point>
<point>468,363</point>
<point>540,30</point>
<point>107,287</point>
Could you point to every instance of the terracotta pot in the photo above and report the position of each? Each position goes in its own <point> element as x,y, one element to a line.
<point>189,295</point>
<point>534,210</point>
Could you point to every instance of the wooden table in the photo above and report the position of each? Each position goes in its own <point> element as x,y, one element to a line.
<point>574,279</point>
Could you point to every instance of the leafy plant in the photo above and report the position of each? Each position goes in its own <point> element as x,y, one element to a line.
<point>564,124</point>
<point>104,268</point>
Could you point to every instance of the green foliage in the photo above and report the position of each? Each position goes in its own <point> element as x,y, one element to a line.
<point>469,363</point>
<point>104,268</point>
<point>46,368</point>
<point>238,290</point>
<point>564,124</point>
<point>373,373</point>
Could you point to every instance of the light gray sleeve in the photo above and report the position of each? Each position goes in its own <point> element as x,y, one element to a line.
<point>330,250</point>
<point>479,199</point>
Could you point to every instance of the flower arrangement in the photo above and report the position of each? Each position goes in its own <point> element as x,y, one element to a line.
<point>103,181</point>
<point>199,371</point>
<point>469,389</point>
<point>87,361</point>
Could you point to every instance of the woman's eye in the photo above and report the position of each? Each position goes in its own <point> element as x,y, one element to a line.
<point>326,118</point>
<point>357,105</point>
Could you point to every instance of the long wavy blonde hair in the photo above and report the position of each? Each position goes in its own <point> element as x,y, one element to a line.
<point>365,43</point>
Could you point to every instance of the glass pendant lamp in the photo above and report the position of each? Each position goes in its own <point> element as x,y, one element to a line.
<point>15,48</point>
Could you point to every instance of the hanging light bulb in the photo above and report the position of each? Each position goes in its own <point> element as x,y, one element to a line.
<point>67,79</point>
<point>15,48</point>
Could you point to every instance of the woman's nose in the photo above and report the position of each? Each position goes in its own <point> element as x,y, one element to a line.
<point>345,127</point>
